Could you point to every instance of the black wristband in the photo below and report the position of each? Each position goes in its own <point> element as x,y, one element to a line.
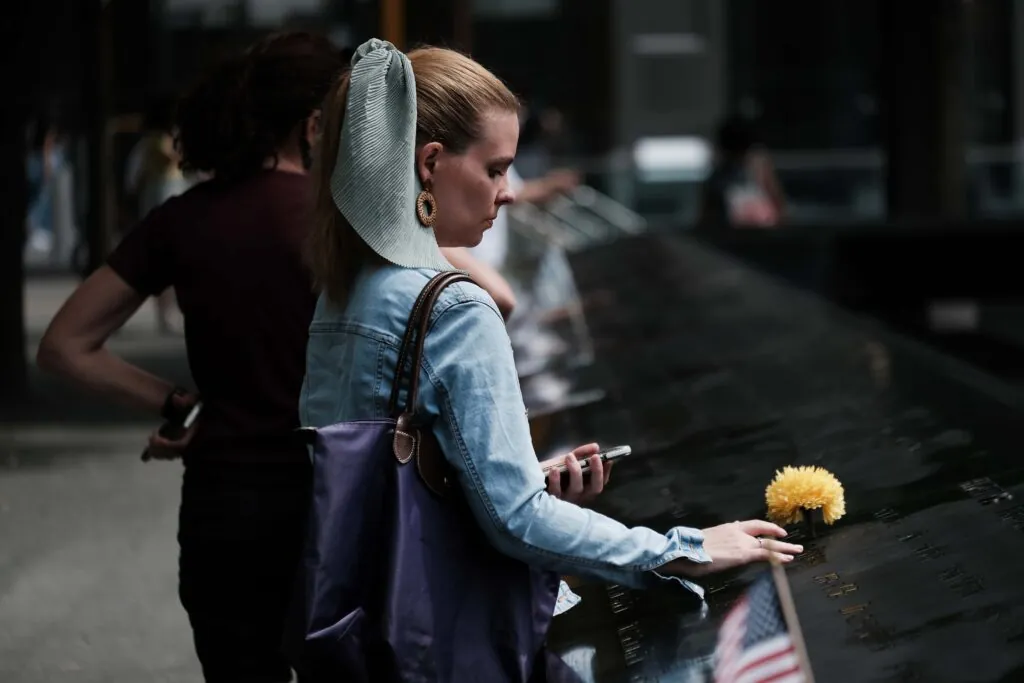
<point>171,412</point>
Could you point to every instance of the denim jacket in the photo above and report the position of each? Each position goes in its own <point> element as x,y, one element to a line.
<point>470,389</point>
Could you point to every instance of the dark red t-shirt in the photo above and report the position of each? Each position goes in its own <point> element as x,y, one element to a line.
<point>233,253</point>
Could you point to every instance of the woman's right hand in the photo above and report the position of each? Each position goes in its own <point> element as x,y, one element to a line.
<point>162,448</point>
<point>580,491</point>
<point>737,544</point>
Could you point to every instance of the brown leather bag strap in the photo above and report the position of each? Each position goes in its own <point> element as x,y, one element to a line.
<point>410,329</point>
<point>419,322</point>
<point>417,357</point>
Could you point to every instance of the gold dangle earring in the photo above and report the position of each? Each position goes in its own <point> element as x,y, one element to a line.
<point>426,209</point>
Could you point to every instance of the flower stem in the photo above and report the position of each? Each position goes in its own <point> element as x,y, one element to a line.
<point>809,522</point>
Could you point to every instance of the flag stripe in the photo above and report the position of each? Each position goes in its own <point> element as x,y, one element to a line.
<point>771,669</point>
<point>754,645</point>
<point>736,621</point>
<point>731,640</point>
<point>744,667</point>
<point>793,675</point>
<point>767,648</point>
<point>732,635</point>
<point>755,655</point>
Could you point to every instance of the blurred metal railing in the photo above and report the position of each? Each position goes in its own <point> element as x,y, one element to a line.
<point>549,330</point>
<point>581,219</point>
<point>550,327</point>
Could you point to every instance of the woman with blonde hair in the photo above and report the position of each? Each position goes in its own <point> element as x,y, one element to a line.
<point>414,156</point>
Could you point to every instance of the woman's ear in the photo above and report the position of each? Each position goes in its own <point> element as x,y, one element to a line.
<point>426,162</point>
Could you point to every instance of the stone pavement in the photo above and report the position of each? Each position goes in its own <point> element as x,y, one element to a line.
<point>88,558</point>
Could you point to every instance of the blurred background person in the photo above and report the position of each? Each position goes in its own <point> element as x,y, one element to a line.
<point>153,175</point>
<point>493,249</point>
<point>47,159</point>
<point>232,248</point>
<point>546,142</point>
<point>742,189</point>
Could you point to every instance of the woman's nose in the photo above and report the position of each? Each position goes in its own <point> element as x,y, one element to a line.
<point>505,196</point>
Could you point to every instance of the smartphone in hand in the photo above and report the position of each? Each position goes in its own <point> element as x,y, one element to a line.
<point>172,430</point>
<point>607,455</point>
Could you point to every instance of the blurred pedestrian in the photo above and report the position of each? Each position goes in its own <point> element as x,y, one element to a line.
<point>232,248</point>
<point>47,156</point>
<point>743,189</point>
<point>153,176</point>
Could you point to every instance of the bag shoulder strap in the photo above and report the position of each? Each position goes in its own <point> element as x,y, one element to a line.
<point>416,332</point>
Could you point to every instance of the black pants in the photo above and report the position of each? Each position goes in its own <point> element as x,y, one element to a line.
<point>241,532</point>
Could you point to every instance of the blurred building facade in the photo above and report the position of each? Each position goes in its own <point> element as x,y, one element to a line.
<point>809,76</point>
<point>638,85</point>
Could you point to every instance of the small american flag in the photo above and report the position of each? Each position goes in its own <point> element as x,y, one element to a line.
<point>754,645</point>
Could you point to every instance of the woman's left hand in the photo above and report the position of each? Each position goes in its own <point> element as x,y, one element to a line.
<point>578,491</point>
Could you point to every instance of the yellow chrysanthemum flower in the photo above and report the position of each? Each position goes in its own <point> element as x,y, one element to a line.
<point>804,488</point>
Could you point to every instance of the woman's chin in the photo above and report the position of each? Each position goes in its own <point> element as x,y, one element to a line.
<point>466,243</point>
<point>466,239</point>
<point>476,238</point>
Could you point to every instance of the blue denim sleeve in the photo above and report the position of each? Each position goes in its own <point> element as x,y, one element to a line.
<point>482,426</point>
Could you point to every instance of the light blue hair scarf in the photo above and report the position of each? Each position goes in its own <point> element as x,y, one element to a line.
<point>374,182</point>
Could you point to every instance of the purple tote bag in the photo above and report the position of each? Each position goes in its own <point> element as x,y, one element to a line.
<point>401,584</point>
